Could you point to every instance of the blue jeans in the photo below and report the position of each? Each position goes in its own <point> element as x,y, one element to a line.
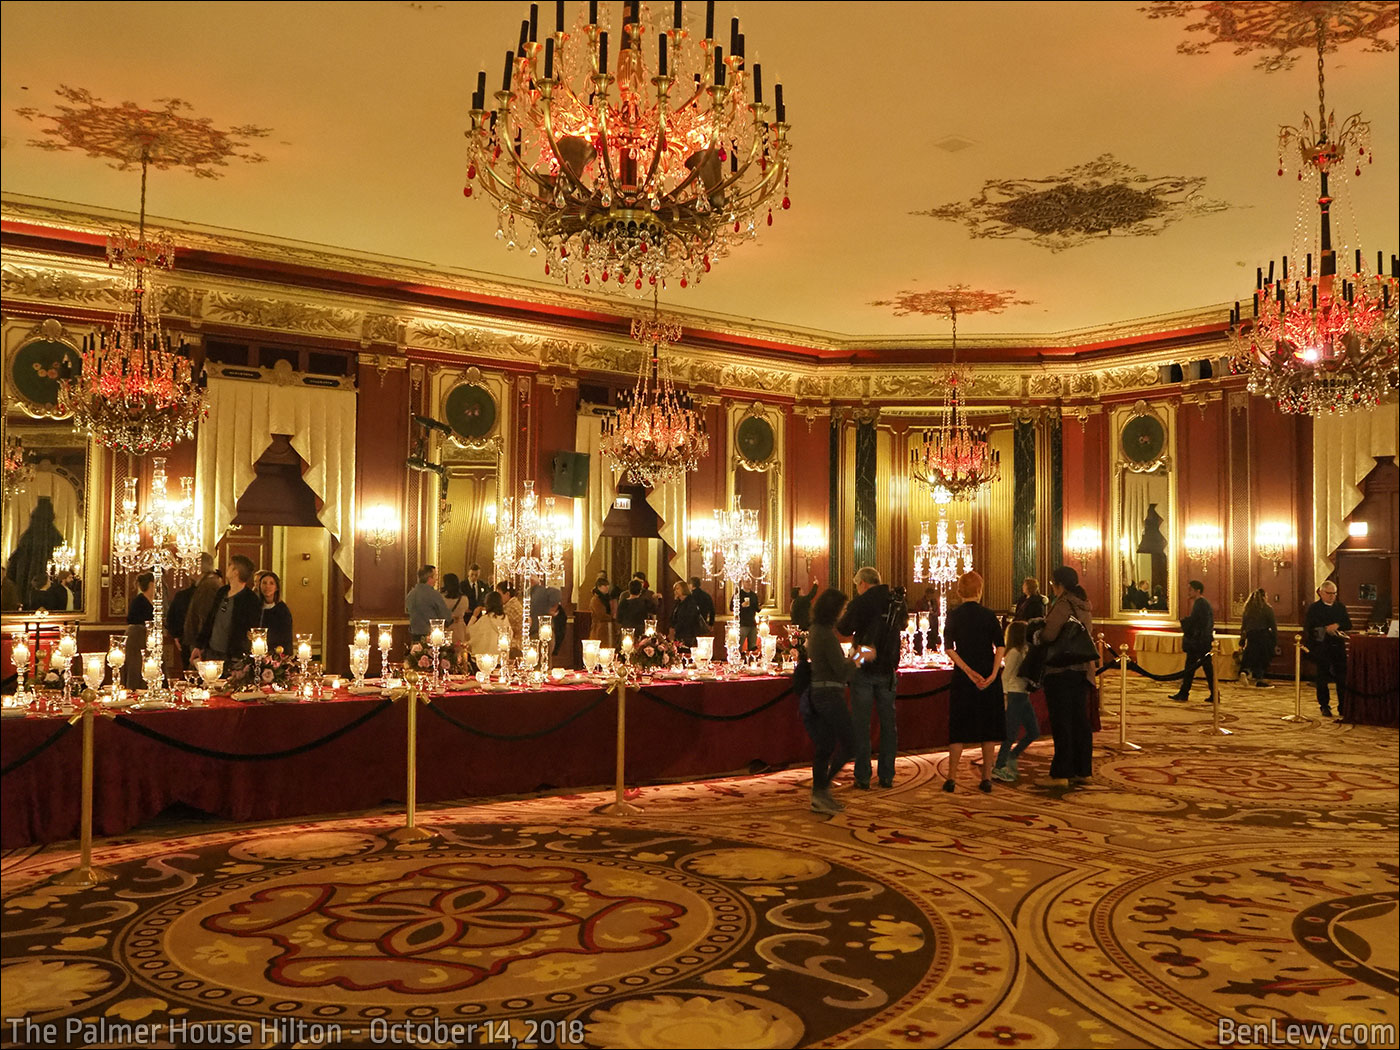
<point>1019,714</point>
<point>873,692</point>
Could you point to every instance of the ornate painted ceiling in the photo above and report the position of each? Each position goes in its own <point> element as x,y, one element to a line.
<point>1080,165</point>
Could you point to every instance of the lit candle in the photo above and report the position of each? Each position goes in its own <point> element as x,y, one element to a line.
<point>303,651</point>
<point>116,657</point>
<point>503,641</point>
<point>627,641</point>
<point>259,646</point>
<point>67,645</point>
<point>386,636</point>
<point>150,668</point>
<point>362,636</point>
<point>532,656</point>
<point>546,631</point>
<point>763,628</point>
<point>435,637</point>
<point>55,658</point>
<point>20,653</point>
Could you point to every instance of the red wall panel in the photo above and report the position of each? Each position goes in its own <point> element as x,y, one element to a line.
<point>381,446</point>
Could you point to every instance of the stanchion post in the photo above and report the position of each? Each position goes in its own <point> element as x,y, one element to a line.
<point>411,832</point>
<point>85,874</point>
<point>619,806</point>
<point>1297,715</point>
<point>1123,741</point>
<point>1216,729</point>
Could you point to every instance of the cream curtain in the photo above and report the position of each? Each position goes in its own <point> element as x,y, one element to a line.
<point>590,512</point>
<point>1345,448</point>
<point>669,502</point>
<point>243,416</point>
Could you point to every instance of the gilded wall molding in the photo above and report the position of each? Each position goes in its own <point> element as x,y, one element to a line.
<point>37,283</point>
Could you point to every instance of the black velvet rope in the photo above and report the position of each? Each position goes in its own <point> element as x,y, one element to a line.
<point>924,696</point>
<point>715,718</point>
<point>233,756</point>
<point>532,735</point>
<point>37,750</point>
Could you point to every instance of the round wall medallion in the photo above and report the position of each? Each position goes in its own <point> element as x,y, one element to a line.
<point>34,372</point>
<point>755,440</point>
<point>471,411</point>
<point>1143,440</point>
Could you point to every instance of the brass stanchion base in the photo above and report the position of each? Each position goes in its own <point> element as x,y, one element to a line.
<point>1217,731</point>
<point>620,808</point>
<point>411,833</point>
<point>88,876</point>
<point>1295,718</point>
<point>1123,745</point>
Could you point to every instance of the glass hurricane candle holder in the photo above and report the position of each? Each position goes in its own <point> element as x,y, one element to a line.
<point>770,648</point>
<point>150,673</point>
<point>605,658</point>
<point>386,643</point>
<point>303,649</point>
<point>94,670</point>
<point>731,645</point>
<point>590,655</point>
<point>21,654</point>
<point>209,672</point>
<point>257,649</point>
<point>359,632</point>
<point>649,627</point>
<point>486,663</point>
<point>116,654</point>
<point>359,663</point>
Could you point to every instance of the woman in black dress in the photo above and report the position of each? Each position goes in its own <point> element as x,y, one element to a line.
<point>976,713</point>
<point>276,617</point>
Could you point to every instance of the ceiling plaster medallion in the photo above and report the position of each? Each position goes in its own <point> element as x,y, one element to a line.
<point>947,302</point>
<point>1082,203</point>
<point>167,138</point>
<point>1286,28</point>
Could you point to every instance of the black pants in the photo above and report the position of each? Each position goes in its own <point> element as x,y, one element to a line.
<point>828,723</point>
<point>1331,661</point>
<point>1258,653</point>
<point>1067,697</point>
<point>1193,661</point>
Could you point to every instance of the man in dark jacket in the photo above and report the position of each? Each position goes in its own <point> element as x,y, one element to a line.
<point>801,610</point>
<point>748,619</point>
<point>237,608</point>
<point>872,687</point>
<point>1197,640</point>
<point>1323,636</point>
<point>703,602</point>
<point>474,587</point>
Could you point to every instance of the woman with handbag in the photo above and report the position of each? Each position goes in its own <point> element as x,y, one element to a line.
<point>1068,672</point>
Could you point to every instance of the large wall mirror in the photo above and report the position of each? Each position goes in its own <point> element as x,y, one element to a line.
<point>48,478</point>
<point>465,462</point>
<point>756,443</point>
<point>1144,504</point>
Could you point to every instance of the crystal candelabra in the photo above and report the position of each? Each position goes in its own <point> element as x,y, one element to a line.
<point>165,538</point>
<point>546,645</point>
<point>64,651</point>
<point>257,649</point>
<point>531,541</point>
<point>437,638</point>
<point>62,560</point>
<point>1325,340</point>
<point>303,650</point>
<point>941,563</point>
<point>137,391</point>
<point>730,546</point>
<point>648,170</point>
<point>386,643</point>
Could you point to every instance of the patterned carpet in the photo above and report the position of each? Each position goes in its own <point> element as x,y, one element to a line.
<point>1250,878</point>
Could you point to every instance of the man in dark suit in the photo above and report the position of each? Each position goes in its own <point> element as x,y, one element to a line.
<point>704,602</point>
<point>236,611</point>
<point>1197,640</point>
<point>474,587</point>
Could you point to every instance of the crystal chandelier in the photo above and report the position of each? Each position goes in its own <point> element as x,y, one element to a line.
<point>61,559</point>
<point>657,435</point>
<point>531,541</point>
<point>1325,339</point>
<point>649,172</point>
<point>957,457</point>
<point>730,547</point>
<point>166,537</point>
<point>18,471</point>
<point>137,392</point>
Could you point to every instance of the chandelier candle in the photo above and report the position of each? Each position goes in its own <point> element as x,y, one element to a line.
<point>634,177</point>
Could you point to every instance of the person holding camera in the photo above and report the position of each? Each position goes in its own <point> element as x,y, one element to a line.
<point>869,620</point>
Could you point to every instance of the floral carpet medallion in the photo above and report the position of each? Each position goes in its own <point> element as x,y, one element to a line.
<point>1199,883</point>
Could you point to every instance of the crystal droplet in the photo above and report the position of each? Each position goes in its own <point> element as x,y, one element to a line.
<point>786,204</point>
<point>638,284</point>
<point>471,171</point>
<point>770,216</point>
<point>466,191</point>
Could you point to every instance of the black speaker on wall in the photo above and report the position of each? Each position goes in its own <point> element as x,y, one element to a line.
<point>570,474</point>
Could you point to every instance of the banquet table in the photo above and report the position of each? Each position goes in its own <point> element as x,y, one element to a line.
<point>470,744</point>
<point>1373,681</point>
<point>1160,652</point>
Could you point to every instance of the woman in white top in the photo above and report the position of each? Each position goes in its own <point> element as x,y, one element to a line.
<point>488,623</point>
<point>1020,715</point>
<point>459,607</point>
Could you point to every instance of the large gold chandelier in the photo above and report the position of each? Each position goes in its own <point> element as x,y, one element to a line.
<point>633,173</point>
<point>657,435</point>
<point>956,457</point>
<point>137,391</point>
<point>1323,339</point>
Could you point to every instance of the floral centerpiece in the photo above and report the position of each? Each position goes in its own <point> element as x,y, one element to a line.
<point>420,657</point>
<point>654,653</point>
<point>276,670</point>
<point>792,646</point>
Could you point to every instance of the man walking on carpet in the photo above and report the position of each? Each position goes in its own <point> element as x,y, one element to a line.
<point>1197,640</point>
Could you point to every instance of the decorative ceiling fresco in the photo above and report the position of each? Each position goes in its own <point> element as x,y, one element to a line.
<point>1282,30</point>
<point>1097,199</point>
<point>1112,162</point>
<point>958,300</point>
<point>168,137</point>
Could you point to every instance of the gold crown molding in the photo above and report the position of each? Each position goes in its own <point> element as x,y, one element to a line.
<point>50,282</point>
<point>98,222</point>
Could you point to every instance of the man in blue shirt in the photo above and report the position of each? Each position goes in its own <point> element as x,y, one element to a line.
<point>425,602</point>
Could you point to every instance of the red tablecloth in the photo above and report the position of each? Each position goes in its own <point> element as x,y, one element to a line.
<point>1373,681</point>
<point>138,777</point>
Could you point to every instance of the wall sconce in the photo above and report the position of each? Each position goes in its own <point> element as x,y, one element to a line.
<point>1082,544</point>
<point>1272,542</point>
<point>1203,543</point>
<point>809,542</point>
<point>379,527</point>
<point>701,529</point>
<point>1358,530</point>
